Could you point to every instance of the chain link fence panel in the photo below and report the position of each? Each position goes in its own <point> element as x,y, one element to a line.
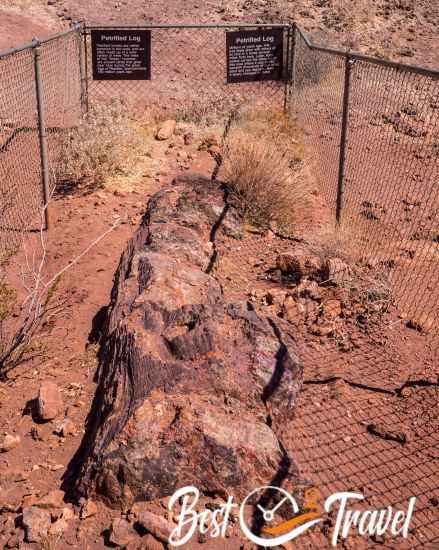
<point>389,204</point>
<point>21,177</point>
<point>188,76</point>
<point>20,166</point>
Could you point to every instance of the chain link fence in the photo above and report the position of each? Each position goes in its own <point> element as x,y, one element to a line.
<point>373,135</point>
<point>39,99</point>
<point>372,127</point>
<point>188,73</point>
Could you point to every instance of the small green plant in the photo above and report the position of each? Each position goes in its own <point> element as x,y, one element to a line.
<point>105,143</point>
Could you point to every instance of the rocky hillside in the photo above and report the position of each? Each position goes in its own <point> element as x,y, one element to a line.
<point>398,29</point>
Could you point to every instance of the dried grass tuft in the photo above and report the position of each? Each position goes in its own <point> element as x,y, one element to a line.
<point>105,143</point>
<point>263,168</point>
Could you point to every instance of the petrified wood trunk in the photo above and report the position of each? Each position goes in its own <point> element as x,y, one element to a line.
<point>192,390</point>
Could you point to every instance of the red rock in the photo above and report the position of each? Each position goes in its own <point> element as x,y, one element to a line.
<point>151,543</point>
<point>335,270</point>
<point>88,509</point>
<point>49,400</point>
<point>331,309</point>
<point>166,130</point>
<point>154,524</point>
<point>323,330</point>
<point>54,499</point>
<point>122,532</point>
<point>10,442</point>
<point>58,527</point>
<point>67,428</point>
<point>36,523</point>
<point>299,265</point>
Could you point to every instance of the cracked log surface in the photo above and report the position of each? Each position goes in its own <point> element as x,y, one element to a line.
<point>192,390</point>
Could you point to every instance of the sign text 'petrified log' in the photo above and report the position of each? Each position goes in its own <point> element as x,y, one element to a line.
<point>121,54</point>
<point>254,55</point>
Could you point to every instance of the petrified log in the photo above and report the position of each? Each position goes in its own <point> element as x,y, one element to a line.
<point>192,390</point>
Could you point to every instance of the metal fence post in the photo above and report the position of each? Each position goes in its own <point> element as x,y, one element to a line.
<point>292,82</point>
<point>293,54</point>
<point>287,69</point>
<point>343,138</point>
<point>42,133</point>
<point>83,68</point>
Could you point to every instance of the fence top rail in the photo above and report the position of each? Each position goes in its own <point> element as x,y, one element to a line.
<point>36,42</point>
<point>192,26</point>
<point>367,58</point>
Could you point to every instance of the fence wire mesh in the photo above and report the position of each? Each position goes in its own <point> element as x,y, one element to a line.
<point>20,170</point>
<point>389,201</point>
<point>21,189</point>
<point>392,166</point>
<point>353,398</point>
<point>188,76</point>
<point>389,212</point>
<point>317,100</point>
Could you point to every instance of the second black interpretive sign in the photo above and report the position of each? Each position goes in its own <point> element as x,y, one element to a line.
<point>255,55</point>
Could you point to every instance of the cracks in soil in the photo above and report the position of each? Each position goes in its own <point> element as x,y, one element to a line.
<point>213,232</point>
<point>396,392</point>
<point>332,379</point>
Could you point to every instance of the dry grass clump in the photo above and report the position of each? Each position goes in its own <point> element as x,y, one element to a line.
<point>337,241</point>
<point>105,143</point>
<point>206,112</point>
<point>263,168</point>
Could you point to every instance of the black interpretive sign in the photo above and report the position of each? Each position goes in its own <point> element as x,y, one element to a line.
<point>121,54</point>
<point>255,55</point>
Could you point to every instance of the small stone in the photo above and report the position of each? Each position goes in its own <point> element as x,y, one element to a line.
<point>293,311</point>
<point>36,523</point>
<point>156,525</point>
<point>331,309</point>
<point>10,442</point>
<point>209,141</point>
<point>49,400</point>
<point>299,265</point>
<point>29,500</point>
<point>423,323</point>
<point>181,128</point>
<point>276,296</point>
<point>166,130</point>
<point>323,330</point>
<point>189,138</point>
<point>67,513</point>
<point>122,532</point>
<point>13,541</point>
<point>182,155</point>
<point>67,428</point>
<point>335,270</point>
<point>88,509</point>
<point>54,499</point>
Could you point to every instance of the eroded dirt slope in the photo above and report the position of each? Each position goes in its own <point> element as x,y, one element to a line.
<point>405,30</point>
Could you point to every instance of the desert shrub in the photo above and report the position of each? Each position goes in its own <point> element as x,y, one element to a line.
<point>262,168</point>
<point>105,143</point>
<point>206,112</point>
